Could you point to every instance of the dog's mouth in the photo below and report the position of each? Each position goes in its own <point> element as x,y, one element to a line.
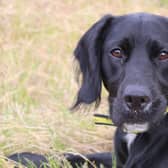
<point>137,121</point>
<point>135,127</point>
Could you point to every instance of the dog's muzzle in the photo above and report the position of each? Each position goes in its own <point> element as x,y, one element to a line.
<point>135,128</point>
<point>136,98</point>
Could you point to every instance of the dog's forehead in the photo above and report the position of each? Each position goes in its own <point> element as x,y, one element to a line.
<point>140,26</point>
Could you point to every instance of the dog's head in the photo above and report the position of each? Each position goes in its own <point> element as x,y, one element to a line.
<point>129,54</point>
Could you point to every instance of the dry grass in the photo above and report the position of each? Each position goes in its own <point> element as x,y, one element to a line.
<point>37,85</point>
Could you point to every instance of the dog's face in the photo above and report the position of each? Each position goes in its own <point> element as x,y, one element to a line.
<point>130,55</point>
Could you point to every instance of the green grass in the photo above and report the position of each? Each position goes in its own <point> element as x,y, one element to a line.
<point>163,3</point>
<point>37,87</point>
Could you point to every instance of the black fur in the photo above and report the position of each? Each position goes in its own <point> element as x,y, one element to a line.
<point>149,149</point>
<point>28,159</point>
<point>98,159</point>
<point>40,161</point>
<point>88,53</point>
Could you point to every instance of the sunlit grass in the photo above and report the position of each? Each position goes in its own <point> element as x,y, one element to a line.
<point>37,87</point>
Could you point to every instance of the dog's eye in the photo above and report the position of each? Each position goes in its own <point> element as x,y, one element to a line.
<point>163,55</point>
<point>116,52</point>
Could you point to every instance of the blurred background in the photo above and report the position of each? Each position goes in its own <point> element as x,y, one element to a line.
<point>37,86</point>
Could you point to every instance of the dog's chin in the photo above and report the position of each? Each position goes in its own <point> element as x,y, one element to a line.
<point>135,127</point>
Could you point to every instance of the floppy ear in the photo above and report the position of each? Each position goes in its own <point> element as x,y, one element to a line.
<point>88,54</point>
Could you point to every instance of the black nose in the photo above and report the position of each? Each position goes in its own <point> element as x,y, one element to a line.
<point>136,103</point>
<point>136,98</point>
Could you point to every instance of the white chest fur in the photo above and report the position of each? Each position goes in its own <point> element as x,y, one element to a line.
<point>129,138</point>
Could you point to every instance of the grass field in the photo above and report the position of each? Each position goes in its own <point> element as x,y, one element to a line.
<point>37,84</point>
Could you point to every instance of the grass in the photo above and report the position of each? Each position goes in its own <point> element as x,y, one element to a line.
<point>37,85</point>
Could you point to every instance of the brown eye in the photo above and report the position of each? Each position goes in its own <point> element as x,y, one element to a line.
<point>163,55</point>
<point>116,52</point>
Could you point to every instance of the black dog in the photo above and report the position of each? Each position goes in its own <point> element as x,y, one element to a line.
<point>129,55</point>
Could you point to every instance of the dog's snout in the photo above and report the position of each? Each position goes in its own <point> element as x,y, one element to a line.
<point>136,98</point>
<point>136,103</point>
